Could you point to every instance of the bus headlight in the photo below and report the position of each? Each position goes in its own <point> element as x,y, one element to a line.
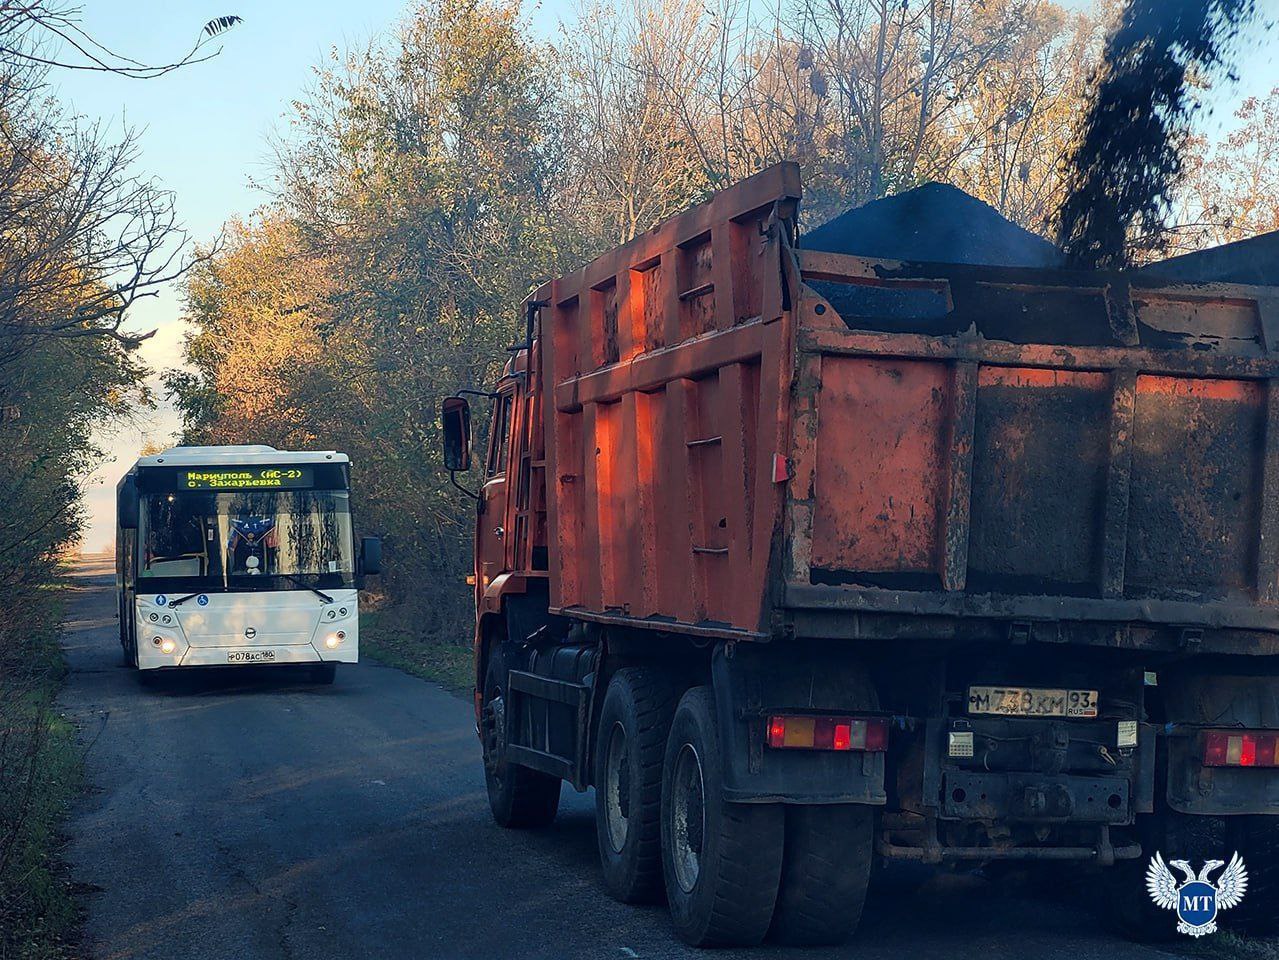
<point>167,645</point>
<point>333,639</point>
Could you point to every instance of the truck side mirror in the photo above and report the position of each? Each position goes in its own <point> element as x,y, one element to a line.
<point>370,555</point>
<point>126,504</point>
<point>455,417</point>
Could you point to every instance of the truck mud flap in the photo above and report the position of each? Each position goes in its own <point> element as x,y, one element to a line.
<point>548,717</point>
<point>1196,702</point>
<point>751,682</point>
<point>1194,788</point>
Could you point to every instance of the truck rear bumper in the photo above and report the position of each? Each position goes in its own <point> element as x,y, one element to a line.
<point>938,854</point>
<point>1034,797</point>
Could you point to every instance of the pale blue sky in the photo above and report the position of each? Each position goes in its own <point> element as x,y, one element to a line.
<point>204,128</point>
<point>204,133</point>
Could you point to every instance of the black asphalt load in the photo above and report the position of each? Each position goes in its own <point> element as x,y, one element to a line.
<point>250,814</point>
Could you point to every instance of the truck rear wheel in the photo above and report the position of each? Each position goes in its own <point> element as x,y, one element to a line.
<point>826,870</point>
<point>721,861</point>
<point>1182,836</point>
<point>631,741</point>
<point>518,797</point>
<point>1256,838</point>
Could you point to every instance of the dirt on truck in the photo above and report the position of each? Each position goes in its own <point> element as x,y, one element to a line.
<point>804,559</point>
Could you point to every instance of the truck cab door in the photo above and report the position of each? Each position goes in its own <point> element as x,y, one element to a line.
<point>490,536</point>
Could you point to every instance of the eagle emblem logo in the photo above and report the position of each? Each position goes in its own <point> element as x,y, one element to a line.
<point>1196,899</point>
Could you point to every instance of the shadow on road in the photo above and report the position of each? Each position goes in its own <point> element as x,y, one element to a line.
<point>219,681</point>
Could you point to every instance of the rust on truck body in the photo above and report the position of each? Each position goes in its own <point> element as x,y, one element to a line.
<point>668,361</point>
<point>1092,457</point>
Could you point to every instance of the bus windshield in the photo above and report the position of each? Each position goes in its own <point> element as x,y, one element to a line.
<point>234,539</point>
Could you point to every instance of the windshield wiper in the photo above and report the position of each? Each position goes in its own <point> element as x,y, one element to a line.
<point>287,576</point>
<point>294,578</point>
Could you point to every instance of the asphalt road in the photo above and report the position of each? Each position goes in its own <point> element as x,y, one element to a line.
<point>250,815</point>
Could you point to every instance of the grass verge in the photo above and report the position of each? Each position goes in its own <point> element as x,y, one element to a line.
<point>41,774</point>
<point>1228,945</point>
<point>393,638</point>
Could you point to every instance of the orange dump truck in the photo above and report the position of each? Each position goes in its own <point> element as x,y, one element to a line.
<point>806,559</point>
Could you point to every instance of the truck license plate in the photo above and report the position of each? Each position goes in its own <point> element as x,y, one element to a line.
<point>250,656</point>
<point>1030,702</point>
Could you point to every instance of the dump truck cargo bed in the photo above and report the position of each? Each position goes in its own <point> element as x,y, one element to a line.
<point>748,439</point>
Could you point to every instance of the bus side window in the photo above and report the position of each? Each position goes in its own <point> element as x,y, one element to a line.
<point>500,439</point>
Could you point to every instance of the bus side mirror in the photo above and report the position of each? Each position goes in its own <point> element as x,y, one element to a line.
<point>370,555</point>
<point>455,418</point>
<point>126,504</point>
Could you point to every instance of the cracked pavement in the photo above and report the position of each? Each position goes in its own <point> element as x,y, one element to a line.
<point>249,814</point>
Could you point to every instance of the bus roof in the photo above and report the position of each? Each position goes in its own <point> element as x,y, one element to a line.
<point>242,453</point>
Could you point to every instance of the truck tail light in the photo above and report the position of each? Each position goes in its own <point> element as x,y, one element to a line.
<point>1241,748</point>
<point>869,734</point>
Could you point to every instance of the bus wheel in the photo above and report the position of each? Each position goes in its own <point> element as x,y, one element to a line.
<point>722,861</point>
<point>324,673</point>
<point>629,745</point>
<point>825,873</point>
<point>518,797</point>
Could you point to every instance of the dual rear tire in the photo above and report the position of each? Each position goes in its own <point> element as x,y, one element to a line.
<point>733,873</point>
<point>722,861</point>
<point>631,743</point>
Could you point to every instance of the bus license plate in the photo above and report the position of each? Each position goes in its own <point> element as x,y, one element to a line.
<point>250,656</point>
<point>1030,702</point>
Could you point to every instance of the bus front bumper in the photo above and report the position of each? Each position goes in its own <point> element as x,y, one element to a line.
<point>244,656</point>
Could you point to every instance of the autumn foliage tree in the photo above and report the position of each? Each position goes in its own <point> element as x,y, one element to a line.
<point>1231,189</point>
<point>413,214</point>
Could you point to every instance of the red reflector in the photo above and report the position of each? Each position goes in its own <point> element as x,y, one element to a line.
<point>777,732</point>
<point>843,736</point>
<point>1248,751</point>
<point>828,733</point>
<point>1241,748</point>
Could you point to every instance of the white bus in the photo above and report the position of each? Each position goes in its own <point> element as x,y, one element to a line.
<point>239,555</point>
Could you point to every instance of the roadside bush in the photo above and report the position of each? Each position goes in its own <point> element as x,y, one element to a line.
<point>39,777</point>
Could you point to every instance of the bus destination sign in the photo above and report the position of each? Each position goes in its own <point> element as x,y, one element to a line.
<point>246,478</point>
